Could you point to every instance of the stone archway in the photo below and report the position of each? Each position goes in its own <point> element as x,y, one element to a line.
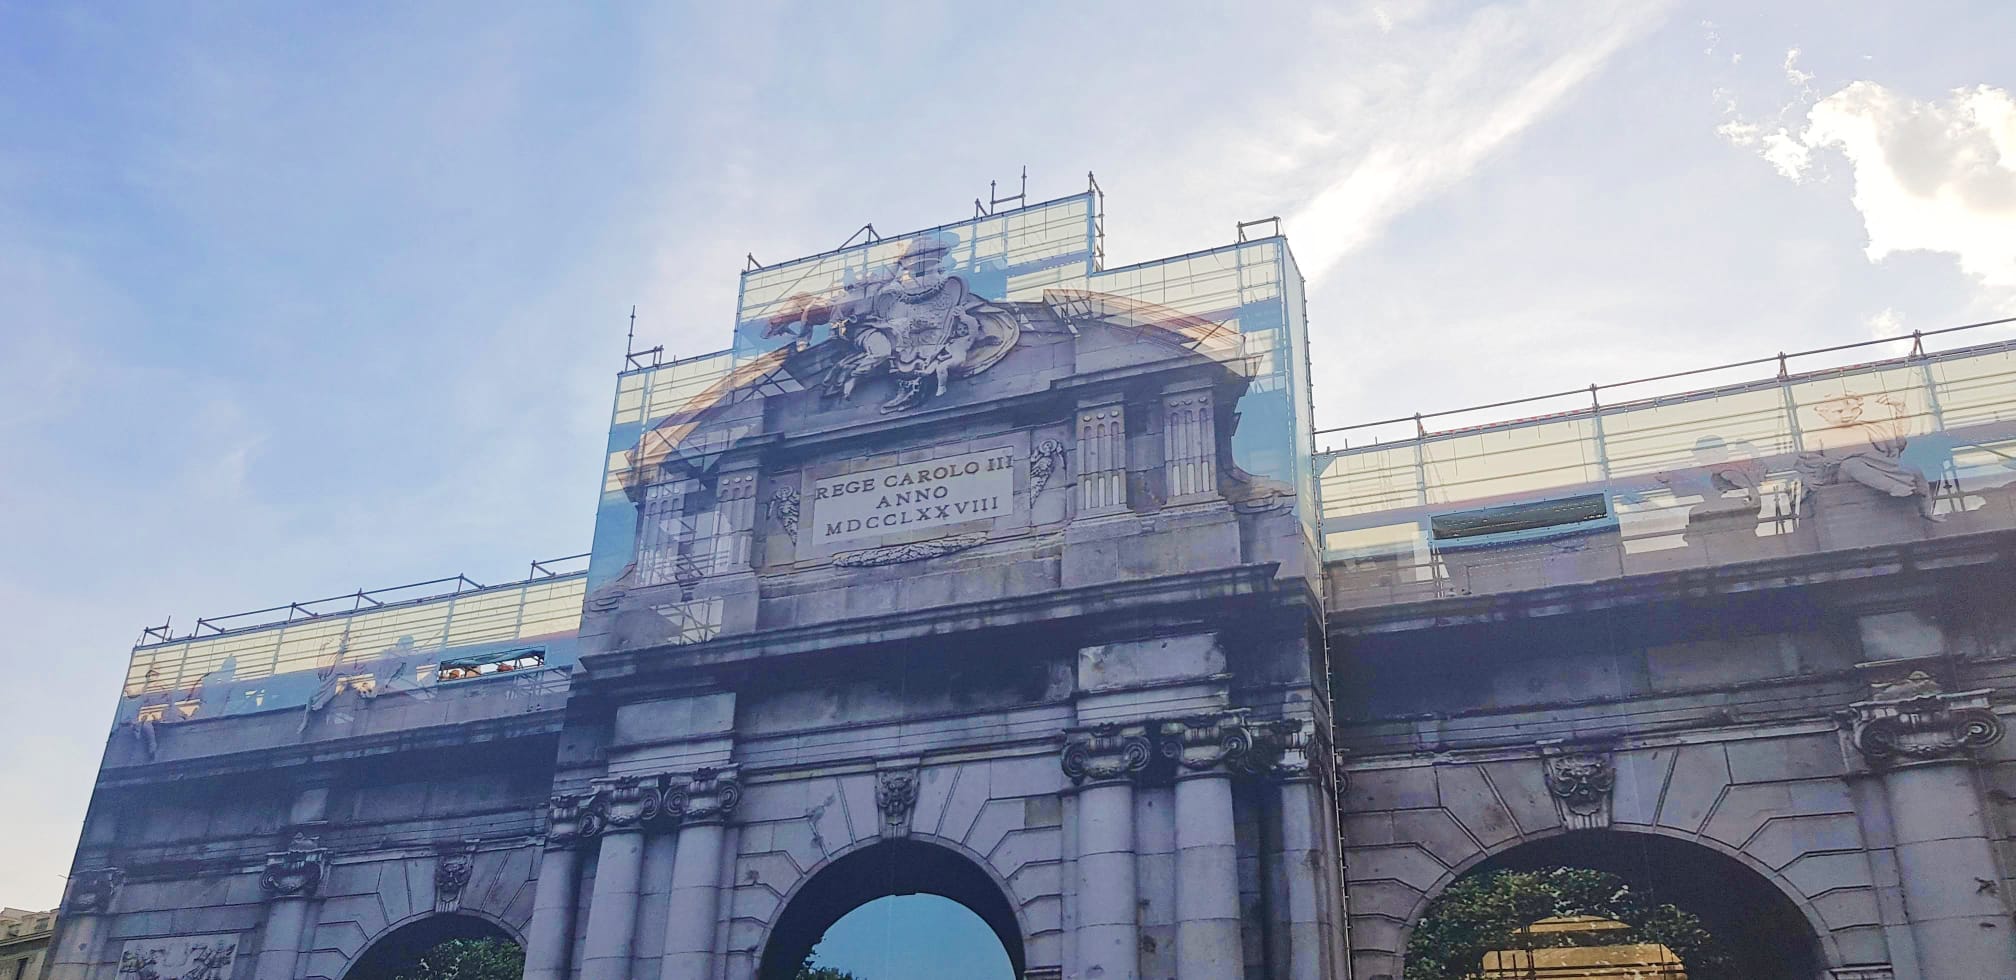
<point>1767,933</point>
<point>903,866</point>
<point>405,942</point>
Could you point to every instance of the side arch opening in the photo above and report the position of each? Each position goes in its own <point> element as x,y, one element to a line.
<point>882,870</point>
<point>399,950</point>
<point>1759,930</point>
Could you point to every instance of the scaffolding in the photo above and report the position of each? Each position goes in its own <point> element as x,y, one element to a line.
<point>413,636</point>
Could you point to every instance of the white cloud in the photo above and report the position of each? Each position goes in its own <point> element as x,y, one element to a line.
<point>1937,177</point>
<point>1928,176</point>
<point>1447,120</point>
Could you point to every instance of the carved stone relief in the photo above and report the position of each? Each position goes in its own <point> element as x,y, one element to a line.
<point>296,871</point>
<point>1581,782</point>
<point>896,797</point>
<point>179,958</point>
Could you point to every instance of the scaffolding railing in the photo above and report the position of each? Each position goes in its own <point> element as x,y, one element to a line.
<point>1935,426</point>
<point>410,636</point>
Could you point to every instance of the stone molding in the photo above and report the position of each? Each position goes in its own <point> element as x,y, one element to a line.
<point>1581,780</point>
<point>1925,728</point>
<point>92,891</point>
<point>1227,743</point>
<point>296,872</point>
<point>1881,972</point>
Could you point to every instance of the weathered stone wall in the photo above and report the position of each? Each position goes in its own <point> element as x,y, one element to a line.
<point>1725,717</point>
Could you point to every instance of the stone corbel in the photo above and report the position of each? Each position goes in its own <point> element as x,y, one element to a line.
<point>297,871</point>
<point>709,796</point>
<point>1923,725</point>
<point>1580,779</point>
<point>1109,752</point>
<point>895,798</point>
<point>92,891</point>
<point>452,870</point>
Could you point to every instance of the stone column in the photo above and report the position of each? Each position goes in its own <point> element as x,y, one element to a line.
<point>1299,760</point>
<point>703,805</point>
<point>1207,854</point>
<point>73,953</point>
<point>612,913</point>
<point>290,880</point>
<point>549,936</point>
<point>1104,761</point>
<point>1921,741</point>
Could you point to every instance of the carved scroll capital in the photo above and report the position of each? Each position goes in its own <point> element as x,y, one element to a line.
<point>710,796</point>
<point>564,818</point>
<point>1213,743</point>
<point>1581,780</point>
<point>1924,728</point>
<point>92,891</point>
<point>621,804</point>
<point>1109,752</point>
<point>297,871</point>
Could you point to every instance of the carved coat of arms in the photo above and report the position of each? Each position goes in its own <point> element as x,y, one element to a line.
<point>914,323</point>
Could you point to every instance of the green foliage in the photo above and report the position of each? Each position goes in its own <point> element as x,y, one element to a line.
<point>1486,912</point>
<point>469,959</point>
<point>823,973</point>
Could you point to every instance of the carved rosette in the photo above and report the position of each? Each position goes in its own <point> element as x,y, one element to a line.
<point>452,871</point>
<point>92,891</point>
<point>1208,744</point>
<point>1581,781</point>
<point>896,797</point>
<point>710,796</point>
<point>297,871</point>
<point>1925,728</point>
<point>1109,753</point>
<point>621,804</point>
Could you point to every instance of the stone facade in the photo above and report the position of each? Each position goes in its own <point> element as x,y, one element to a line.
<point>1076,672</point>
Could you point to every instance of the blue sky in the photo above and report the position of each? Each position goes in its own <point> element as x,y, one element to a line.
<point>298,299</point>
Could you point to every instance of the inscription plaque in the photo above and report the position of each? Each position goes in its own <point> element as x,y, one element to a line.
<point>870,505</point>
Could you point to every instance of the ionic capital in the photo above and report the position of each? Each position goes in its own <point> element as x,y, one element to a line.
<point>710,796</point>
<point>1924,728</point>
<point>1109,752</point>
<point>297,871</point>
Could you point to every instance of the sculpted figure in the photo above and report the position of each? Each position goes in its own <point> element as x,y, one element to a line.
<point>915,323</point>
<point>1874,450</point>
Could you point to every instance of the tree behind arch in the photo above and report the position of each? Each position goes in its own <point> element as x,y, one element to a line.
<point>469,959</point>
<point>1487,912</point>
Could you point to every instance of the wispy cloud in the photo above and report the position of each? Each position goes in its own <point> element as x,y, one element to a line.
<point>1437,120</point>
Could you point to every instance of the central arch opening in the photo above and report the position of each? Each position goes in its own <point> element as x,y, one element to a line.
<point>913,902</point>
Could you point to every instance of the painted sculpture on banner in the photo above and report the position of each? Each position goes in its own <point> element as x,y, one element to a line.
<point>913,322</point>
